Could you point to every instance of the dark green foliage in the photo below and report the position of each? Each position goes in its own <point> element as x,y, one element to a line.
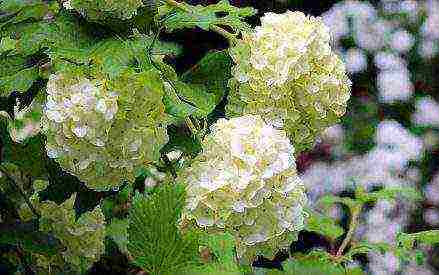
<point>154,239</point>
<point>309,266</point>
<point>213,71</point>
<point>27,236</point>
<point>205,17</point>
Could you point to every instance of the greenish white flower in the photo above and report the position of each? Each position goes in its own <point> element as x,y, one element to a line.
<point>286,72</point>
<point>83,237</point>
<point>245,182</point>
<point>103,131</point>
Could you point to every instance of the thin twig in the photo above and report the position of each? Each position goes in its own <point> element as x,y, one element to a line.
<point>355,214</point>
<point>15,185</point>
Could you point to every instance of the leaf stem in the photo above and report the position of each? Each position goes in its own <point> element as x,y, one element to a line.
<point>20,191</point>
<point>355,214</point>
<point>229,36</point>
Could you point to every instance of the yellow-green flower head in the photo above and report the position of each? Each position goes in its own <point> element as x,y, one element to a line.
<point>82,238</point>
<point>102,131</point>
<point>103,9</point>
<point>245,182</point>
<point>286,72</point>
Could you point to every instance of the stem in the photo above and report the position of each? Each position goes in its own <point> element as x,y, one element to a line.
<point>355,214</point>
<point>20,191</point>
<point>229,36</point>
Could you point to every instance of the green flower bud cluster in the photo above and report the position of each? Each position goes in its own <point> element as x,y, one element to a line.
<point>102,130</point>
<point>83,238</point>
<point>245,183</point>
<point>286,72</point>
<point>102,9</point>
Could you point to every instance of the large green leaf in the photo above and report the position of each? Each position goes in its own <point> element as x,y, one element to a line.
<point>323,225</point>
<point>391,193</point>
<point>154,239</point>
<point>213,71</point>
<point>20,81</point>
<point>309,266</point>
<point>204,17</point>
<point>27,236</point>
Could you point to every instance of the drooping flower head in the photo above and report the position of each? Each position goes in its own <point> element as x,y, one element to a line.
<point>286,72</point>
<point>245,183</point>
<point>102,131</point>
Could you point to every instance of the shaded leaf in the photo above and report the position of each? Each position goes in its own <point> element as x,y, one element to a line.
<point>20,81</point>
<point>323,225</point>
<point>212,71</point>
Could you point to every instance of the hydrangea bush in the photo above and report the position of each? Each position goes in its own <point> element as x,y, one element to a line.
<point>111,152</point>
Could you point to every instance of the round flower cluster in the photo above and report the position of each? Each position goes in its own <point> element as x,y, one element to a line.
<point>102,131</point>
<point>82,238</point>
<point>101,9</point>
<point>286,72</point>
<point>245,183</point>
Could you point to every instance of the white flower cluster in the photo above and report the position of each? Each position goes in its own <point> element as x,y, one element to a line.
<point>102,136</point>
<point>286,72</point>
<point>245,183</point>
<point>87,110</point>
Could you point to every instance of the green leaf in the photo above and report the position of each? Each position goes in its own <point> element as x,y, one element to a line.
<point>309,266</point>
<point>212,71</point>
<point>204,17</point>
<point>35,11</point>
<point>27,236</point>
<point>117,230</point>
<point>175,107</point>
<point>181,99</point>
<point>154,239</point>
<point>407,241</point>
<point>366,247</point>
<point>181,140</point>
<point>323,225</point>
<point>328,200</point>
<point>222,246</point>
<point>20,81</point>
<point>10,65</point>
<point>6,45</point>
<point>14,6</point>
<point>391,193</point>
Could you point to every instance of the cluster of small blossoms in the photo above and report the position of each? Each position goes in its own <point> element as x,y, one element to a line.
<point>286,72</point>
<point>102,136</point>
<point>83,238</point>
<point>101,9</point>
<point>245,183</point>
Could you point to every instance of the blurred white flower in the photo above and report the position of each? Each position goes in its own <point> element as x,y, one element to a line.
<point>427,112</point>
<point>428,48</point>
<point>355,60</point>
<point>430,27</point>
<point>431,216</point>
<point>402,41</point>
<point>389,61</point>
<point>432,190</point>
<point>394,85</point>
